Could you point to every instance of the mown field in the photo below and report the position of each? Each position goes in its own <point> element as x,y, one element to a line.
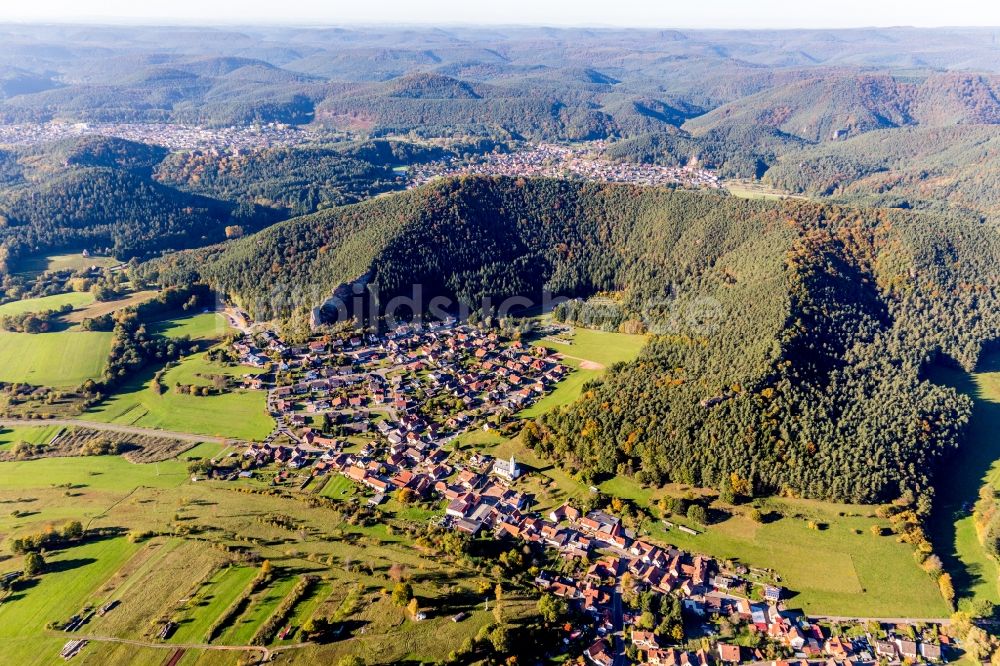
<point>63,359</point>
<point>238,413</point>
<point>74,261</point>
<point>29,434</point>
<point>76,299</point>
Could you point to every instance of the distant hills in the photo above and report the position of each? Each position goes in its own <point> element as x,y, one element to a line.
<point>842,105</point>
<point>534,83</point>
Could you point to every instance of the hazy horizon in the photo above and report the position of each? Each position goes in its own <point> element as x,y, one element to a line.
<point>722,15</point>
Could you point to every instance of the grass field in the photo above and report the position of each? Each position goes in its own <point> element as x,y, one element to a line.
<point>108,473</point>
<point>239,414</point>
<point>63,359</point>
<point>203,326</point>
<point>215,595</point>
<point>951,528</point>
<point>599,347</point>
<point>72,578</point>
<point>29,434</point>
<point>590,353</point>
<point>77,299</point>
<point>261,606</point>
<point>62,262</point>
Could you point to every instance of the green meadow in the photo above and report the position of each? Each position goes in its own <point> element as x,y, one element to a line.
<point>76,299</point>
<point>202,326</point>
<point>64,359</point>
<point>975,575</point>
<point>239,413</point>
<point>589,354</point>
<point>70,582</point>
<point>29,434</point>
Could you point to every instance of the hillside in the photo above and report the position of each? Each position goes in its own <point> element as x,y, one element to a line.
<point>524,82</point>
<point>909,167</point>
<point>735,151</point>
<point>847,104</point>
<point>98,193</point>
<point>785,329</point>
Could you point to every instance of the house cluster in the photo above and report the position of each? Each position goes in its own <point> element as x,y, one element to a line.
<point>451,376</point>
<point>581,161</point>
<point>404,374</point>
<point>169,135</point>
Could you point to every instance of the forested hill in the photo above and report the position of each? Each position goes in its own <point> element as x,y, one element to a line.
<point>99,194</point>
<point>137,200</point>
<point>789,336</point>
<point>906,167</point>
<point>845,104</point>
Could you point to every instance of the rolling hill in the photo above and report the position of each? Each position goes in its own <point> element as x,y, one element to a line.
<point>776,323</point>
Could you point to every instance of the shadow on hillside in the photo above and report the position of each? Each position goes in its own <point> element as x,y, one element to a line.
<point>962,474</point>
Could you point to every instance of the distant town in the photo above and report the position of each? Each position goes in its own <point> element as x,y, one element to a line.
<point>168,135</point>
<point>577,161</point>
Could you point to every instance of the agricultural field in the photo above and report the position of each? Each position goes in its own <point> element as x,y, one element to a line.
<point>186,578</point>
<point>975,574</point>
<point>76,299</point>
<point>101,308</point>
<point>29,434</point>
<point>64,359</point>
<point>239,413</point>
<point>202,326</point>
<point>75,261</point>
<point>212,598</point>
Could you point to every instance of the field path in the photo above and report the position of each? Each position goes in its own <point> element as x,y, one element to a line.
<point>114,427</point>
<point>884,620</point>
<point>266,652</point>
<point>585,363</point>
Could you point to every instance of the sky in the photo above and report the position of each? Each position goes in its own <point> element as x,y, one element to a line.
<point>632,13</point>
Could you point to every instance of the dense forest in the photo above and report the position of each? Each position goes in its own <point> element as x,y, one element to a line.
<point>906,167</point>
<point>131,199</point>
<point>788,340</point>
<point>303,179</point>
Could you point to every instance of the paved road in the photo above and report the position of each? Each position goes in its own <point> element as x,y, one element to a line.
<point>618,618</point>
<point>113,427</point>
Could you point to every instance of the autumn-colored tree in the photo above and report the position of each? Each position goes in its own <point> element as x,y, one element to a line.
<point>947,588</point>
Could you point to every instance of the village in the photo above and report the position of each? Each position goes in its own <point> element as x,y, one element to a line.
<point>581,161</point>
<point>383,410</point>
<point>174,136</point>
